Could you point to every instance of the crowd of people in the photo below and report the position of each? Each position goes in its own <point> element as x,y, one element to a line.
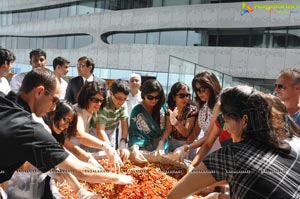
<point>236,136</point>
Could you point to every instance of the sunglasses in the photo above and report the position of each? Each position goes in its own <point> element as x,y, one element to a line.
<point>280,86</point>
<point>97,100</point>
<point>202,89</point>
<point>54,98</point>
<point>150,97</point>
<point>183,95</point>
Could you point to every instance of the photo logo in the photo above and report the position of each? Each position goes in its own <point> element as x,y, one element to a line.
<point>245,9</point>
<point>272,8</point>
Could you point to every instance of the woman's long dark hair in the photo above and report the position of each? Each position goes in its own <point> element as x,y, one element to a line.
<point>88,90</point>
<point>150,86</point>
<point>210,81</point>
<point>174,90</point>
<point>63,108</point>
<point>268,120</point>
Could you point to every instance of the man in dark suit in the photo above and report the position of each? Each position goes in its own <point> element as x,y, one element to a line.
<point>85,68</point>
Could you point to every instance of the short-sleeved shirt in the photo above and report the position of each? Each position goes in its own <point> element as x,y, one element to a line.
<point>255,170</point>
<point>23,139</point>
<point>110,115</point>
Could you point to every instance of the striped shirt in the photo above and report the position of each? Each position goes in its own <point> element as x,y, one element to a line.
<point>110,115</point>
<point>254,170</point>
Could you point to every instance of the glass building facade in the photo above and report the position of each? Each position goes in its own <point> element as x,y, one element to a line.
<point>88,7</point>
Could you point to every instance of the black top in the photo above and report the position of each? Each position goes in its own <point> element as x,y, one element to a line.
<point>23,139</point>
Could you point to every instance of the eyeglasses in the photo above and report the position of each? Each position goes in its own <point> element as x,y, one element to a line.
<point>150,97</point>
<point>97,100</point>
<point>54,98</point>
<point>183,95</point>
<point>280,86</point>
<point>120,98</point>
<point>202,89</point>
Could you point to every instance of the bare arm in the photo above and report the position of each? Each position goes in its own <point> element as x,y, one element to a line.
<point>100,129</point>
<point>124,128</point>
<point>191,183</point>
<point>76,150</point>
<point>85,138</point>
<point>90,173</point>
<point>211,138</point>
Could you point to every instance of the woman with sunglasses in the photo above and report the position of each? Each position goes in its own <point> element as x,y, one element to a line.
<point>90,99</point>
<point>264,160</point>
<point>181,117</point>
<point>207,88</point>
<point>147,120</point>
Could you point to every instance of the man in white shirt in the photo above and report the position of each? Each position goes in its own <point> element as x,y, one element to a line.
<point>134,96</point>
<point>61,68</point>
<point>37,59</point>
<point>6,60</point>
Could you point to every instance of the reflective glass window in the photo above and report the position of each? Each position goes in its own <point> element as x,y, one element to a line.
<point>257,38</point>
<point>173,38</point>
<point>39,42</point>
<point>140,38</point>
<point>15,18</point>
<point>33,43</point>
<point>2,42</point>
<point>41,15</point>
<point>153,38</point>
<point>8,42</point>
<point>14,42</point>
<point>124,38</point>
<point>63,11</point>
<point>86,7</point>
<point>50,42</point>
<point>199,1</point>
<point>9,19</point>
<point>82,40</point>
<point>61,43</point>
<point>3,19</point>
<point>194,38</point>
<point>293,38</point>
<point>278,38</point>
<point>100,5</point>
<point>70,42</point>
<point>34,15</point>
<point>23,42</point>
<point>52,13</point>
<point>157,3</point>
<point>24,17</point>
<point>233,38</point>
<point>175,2</point>
<point>114,4</point>
<point>110,39</point>
<point>72,10</point>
